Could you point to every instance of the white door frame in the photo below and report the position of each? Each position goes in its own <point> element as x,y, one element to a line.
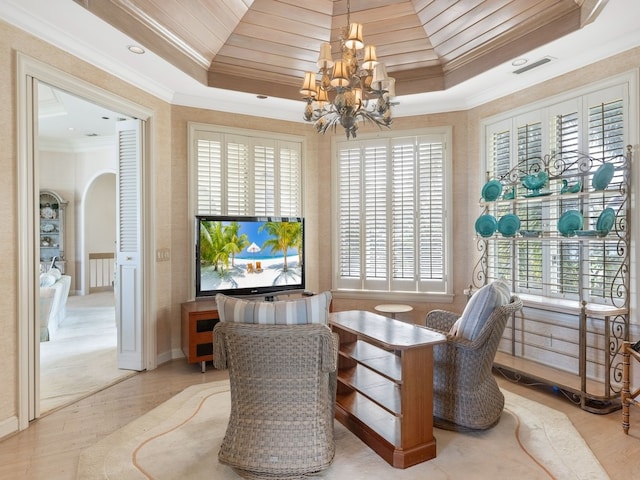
<point>28,305</point>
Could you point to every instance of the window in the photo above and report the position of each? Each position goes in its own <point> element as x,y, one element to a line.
<point>594,123</point>
<point>240,172</point>
<point>391,213</point>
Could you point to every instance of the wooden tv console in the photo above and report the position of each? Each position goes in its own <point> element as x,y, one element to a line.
<point>198,319</point>
<point>385,385</point>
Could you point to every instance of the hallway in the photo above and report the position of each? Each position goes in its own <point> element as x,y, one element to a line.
<point>81,359</point>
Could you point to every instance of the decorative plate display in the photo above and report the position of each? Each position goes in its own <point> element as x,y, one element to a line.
<point>569,222</point>
<point>603,176</point>
<point>486,225</point>
<point>605,222</point>
<point>587,233</point>
<point>509,225</point>
<point>491,190</point>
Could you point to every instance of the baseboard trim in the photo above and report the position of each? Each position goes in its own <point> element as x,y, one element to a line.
<point>8,427</point>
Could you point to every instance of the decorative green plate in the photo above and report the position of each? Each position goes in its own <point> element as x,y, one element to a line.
<point>486,225</point>
<point>605,222</point>
<point>491,190</point>
<point>603,176</point>
<point>509,225</point>
<point>569,222</point>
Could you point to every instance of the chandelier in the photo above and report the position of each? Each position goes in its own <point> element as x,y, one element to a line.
<point>357,82</point>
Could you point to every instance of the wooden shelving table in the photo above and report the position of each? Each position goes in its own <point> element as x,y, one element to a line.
<point>385,385</point>
<point>628,397</point>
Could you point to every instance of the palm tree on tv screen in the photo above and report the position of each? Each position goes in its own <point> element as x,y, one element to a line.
<point>219,243</point>
<point>283,235</point>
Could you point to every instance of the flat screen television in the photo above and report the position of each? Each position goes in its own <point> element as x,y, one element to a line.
<point>239,255</point>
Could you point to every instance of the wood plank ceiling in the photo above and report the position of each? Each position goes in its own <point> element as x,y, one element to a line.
<point>265,46</point>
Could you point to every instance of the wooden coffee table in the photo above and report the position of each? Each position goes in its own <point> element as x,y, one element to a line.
<point>385,385</point>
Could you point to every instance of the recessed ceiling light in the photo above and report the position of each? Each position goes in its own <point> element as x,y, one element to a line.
<point>519,61</point>
<point>135,49</point>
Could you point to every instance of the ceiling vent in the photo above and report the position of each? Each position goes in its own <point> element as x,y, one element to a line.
<point>533,65</point>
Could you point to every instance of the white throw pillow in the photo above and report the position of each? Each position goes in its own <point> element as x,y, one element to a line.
<point>47,280</point>
<point>479,309</point>
<point>314,309</point>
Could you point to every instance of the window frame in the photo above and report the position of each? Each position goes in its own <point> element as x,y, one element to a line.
<point>212,129</point>
<point>582,100</point>
<point>390,288</point>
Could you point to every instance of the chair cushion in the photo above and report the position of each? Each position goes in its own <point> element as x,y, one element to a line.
<point>305,310</point>
<point>479,308</point>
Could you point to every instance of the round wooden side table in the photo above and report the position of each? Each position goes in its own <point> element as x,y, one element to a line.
<point>393,308</point>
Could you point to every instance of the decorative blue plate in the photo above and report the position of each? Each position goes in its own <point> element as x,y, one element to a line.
<point>569,222</point>
<point>603,176</point>
<point>605,222</point>
<point>491,190</point>
<point>509,225</point>
<point>486,225</point>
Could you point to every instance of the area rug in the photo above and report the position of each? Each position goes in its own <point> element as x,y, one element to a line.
<point>180,439</point>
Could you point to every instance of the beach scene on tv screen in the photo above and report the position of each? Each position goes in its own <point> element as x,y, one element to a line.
<point>250,254</point>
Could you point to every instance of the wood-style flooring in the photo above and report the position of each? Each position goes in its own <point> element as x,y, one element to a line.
<point>50,447</point>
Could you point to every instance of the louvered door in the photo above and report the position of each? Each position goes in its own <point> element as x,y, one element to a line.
<point>129,258</point>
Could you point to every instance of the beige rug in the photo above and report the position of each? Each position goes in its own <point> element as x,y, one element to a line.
<point>180,440</point>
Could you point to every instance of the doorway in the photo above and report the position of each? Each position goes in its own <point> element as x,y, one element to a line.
<point>32,72</point>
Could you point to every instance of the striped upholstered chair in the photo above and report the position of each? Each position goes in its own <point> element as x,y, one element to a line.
<point>282,374</point>
<point>465,393</point>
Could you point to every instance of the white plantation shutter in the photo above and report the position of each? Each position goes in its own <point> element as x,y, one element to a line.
<point>238,183</point>
<point>403,208</point>
<point>238,173</point>
<point>349,214</point>
<point>432,208</point>
<point>209,173</point>
<point>290,174</point>
<point>375,214</point>
<point>391,218</point>
<point>264,155</point>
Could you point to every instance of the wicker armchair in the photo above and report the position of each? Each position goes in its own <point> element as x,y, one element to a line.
<point>283,387</point>
<point>465,393</point>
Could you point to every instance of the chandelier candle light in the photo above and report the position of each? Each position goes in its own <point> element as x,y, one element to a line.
<point>354,81</point>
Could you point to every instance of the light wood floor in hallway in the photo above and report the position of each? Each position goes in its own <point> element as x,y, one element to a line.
<point>50,447</point>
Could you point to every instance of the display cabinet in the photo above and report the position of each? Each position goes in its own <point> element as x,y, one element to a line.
<point>52,231</point>
<point>557,228</point>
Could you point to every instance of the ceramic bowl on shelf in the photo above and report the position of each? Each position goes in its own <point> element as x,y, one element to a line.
<point>530,233</point>
<point>535,182</point>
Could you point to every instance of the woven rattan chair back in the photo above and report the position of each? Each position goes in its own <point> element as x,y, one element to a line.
<point>283,383</point>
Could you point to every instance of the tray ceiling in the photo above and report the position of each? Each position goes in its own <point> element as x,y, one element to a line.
<point>265,46</point>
